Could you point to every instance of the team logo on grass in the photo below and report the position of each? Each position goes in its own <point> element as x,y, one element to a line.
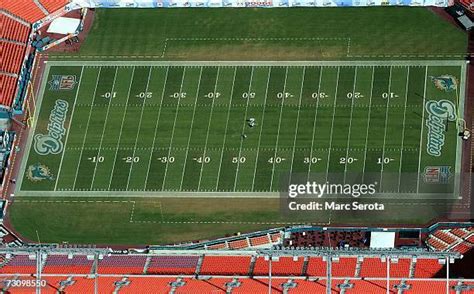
<point>38,172</point>
<point>62,82</point>
<point>437,174</point>
<point>439,114</point>
<point>51,143</point>
<point>445,83</point>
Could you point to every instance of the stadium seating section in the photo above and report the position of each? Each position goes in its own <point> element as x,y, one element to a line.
<point>122,265</point>
<point>13,30</point>
<point>185,265</point>
<point>226,265</point>
<point>7,89</point>
<point>457,239</point>
<point>62,264</point>
<point>327,239</point>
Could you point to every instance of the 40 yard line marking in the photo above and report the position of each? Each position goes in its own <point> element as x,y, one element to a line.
<point>69,129</point>
<point>403,131</point>
<point>103,129</point>
<point>191,130</point>
<point>385,128</point>
<point>121,128</point>
<point>87,129</point>
<point>332,122</point>
<point>138,131</point>
<point>156,129</point>
<point>314,123</point>
<point>174,126</point>
<point>422,128</point>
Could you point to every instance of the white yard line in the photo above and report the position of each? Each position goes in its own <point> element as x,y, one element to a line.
<point>138,131</point>
<point>350,123</point>
<point>261,129</point>
<point>243,129</point>
<point>87,129</point>
<point>422,128</point>
<point>332,123</point>
<point>190,130</point>
<point>226,126</point>
<point>283,98</point>
<point>385,129</point>
<point>69,129</point>
<point>297,125</point>
<point>103,129</point>
<point>314,123</point>
<point>209,127</point>
<point>121,129</point>
<point>403,131</point>
<point>156,129</point>
<point>368,122</point>
<point>172,131</point>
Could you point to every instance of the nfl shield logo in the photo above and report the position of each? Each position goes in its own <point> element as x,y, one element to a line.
<point>437,174</point>
<point>62,82</point>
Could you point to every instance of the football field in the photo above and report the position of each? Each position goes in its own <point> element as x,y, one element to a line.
<point>235,128</point>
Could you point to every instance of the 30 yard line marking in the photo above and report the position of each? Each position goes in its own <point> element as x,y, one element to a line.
<point>403,131</point>
<point>261,129</point>
<point>174,126</point>
<point>297,125</point>
<point>243,129</point>
<point>350,123</point>
<point>69,129</point>
<point>283,98</point>
<point>103,129</point>
<point>332,123</point>
<point>87,129</point>
<point>121,128</point>
<point>226,129</point>
<point>191,130</point>
<point>385,128</point>
<point>422,128</point>
<point>314,122</point>
<point>156,129</point>
<point>368,122</point>
<point>209,127</point>
<point>138,131</point>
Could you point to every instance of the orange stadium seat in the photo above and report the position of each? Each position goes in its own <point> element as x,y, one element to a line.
<point>238,244</point>
<point>61,264</point>
<point>14,54</point>
<point>185,265</point>
<point>260,240</point>
<point>121,265</point>
<point>285,266</point>
<point>24,9</point>
<point>373,267</point>
<point>401,269</point>
<point>427,268</point>
<point>316,267</point>
<point>13,30</point>
<point>19,264</point>
<point>53,5</point>
<point>7,89</point>
<point>147,285</point>
<point>225,265</point>
<point>345,267</point>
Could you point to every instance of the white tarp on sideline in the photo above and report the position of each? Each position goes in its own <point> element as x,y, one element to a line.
<point>64,25</point>
<point>382,240</point>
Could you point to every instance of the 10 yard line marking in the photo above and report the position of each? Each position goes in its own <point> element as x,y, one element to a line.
<point>138,131</point>
<point>191,130</point>
<point>314,123</point>
<point>174,125</point>
<point>209,127</point>
<point>350,123</point>
<point>403,131</point>
<point>385,128</point>
<point>421,135</point>
<point>226,129</point>
<point>103,130</point>
<point>261,129</point>
<point>121,128</point>
<point>69,129</point>
<point>243,129</point>
<point>297,125</point>
<point>368,122</point>
<point>156,129</point>
<point>332,123</point>
<point>87,129</point>
<point>283,98</point>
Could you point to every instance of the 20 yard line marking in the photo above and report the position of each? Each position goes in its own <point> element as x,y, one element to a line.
<point>87,129</point>
<point>314,123</point>
<point>350,123</point>
<point>174,125</point>
<point>403,131</point>
<point>368,123</point>
<point>209,127</point>
<point>422,128</point>
<point>69,129</point>
<point>138,131</point>
<point>283,98</point>
<point>332,123</point>
<point>385,128</point>
<point>103,130</point>
<point>121,128</point>
<point>156,129</point>
<point>191,130</point>
<point>243,129</point>
<point>226,129</point>
<point>261,129</point>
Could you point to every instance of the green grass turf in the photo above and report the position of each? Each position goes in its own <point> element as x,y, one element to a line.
<point>270,34</point>
<point>194,143</point>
